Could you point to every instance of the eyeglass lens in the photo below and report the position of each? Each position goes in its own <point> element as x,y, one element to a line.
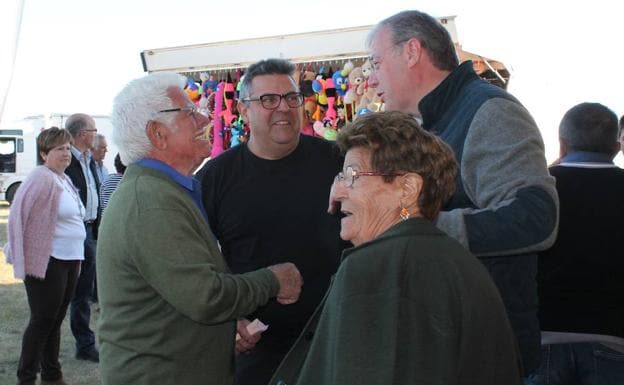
<point>272,101</point>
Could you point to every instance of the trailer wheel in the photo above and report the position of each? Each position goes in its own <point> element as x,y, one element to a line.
<point>10,193</point>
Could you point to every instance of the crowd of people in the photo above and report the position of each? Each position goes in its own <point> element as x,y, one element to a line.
<point>430,244</point>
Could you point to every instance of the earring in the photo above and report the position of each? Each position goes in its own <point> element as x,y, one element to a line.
<point>405,214</point>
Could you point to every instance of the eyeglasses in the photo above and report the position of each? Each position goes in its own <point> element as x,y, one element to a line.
<point>349,175</point>
<point>272,101</point>
<point>375,60</point>
<point>190,110</point>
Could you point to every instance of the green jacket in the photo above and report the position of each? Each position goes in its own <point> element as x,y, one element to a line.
<point>168,303</point>
<point>410,307</point>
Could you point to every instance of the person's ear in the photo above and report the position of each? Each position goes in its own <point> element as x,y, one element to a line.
<point>413,51</point>
<point>563,149</point>
<point>242,107</point>
<point>412,184</point>
<point>157,135</point>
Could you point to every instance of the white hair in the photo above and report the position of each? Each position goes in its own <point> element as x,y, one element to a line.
<point>138,103</point>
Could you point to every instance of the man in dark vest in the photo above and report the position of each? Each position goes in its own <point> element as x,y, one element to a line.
<point>504,209</point>
<point>83,174</point>
<point>581,291</point>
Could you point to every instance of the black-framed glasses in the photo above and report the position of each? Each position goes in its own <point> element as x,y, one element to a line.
<point>272,101</point>
<point>349,175</point>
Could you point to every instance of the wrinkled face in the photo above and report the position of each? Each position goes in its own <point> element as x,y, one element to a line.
<point>58,158</point>
<point>86,137</point>
<point>388,68</point>
<point>99,152</point>
<point>187,141</point>
<point>272,130</point>
<point>371,206</point>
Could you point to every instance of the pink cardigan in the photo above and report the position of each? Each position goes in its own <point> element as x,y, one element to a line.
<point>32,222</point>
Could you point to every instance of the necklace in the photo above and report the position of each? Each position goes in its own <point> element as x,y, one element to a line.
<point>71,191</point>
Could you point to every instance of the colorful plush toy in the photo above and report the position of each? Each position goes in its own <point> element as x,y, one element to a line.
<point>330,91</point>
<point>192,90</point>
<point>209,85</point>
<point>370,101</point>
<point>217,145</point>
<point>357,84</point>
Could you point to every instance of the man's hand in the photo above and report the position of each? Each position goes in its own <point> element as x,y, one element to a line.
<point>290,281</point>
<point>246,341</point>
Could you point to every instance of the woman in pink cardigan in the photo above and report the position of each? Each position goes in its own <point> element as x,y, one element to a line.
<point>46,240</point>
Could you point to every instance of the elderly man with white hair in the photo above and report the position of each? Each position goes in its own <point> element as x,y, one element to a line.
<point>168,301</point>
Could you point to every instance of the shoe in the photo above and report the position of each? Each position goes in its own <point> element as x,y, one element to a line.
<point>91,355</point>
<point>57,382</point>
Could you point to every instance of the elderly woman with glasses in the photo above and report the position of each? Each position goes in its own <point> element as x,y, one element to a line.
<point>408,305</point>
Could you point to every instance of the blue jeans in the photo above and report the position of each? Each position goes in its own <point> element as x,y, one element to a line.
<point>80,311</point>
<point>584,363</point>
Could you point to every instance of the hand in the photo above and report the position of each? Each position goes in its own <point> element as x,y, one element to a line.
<point>247,341</point>
<point>334,205</point>
<point>290,281</point>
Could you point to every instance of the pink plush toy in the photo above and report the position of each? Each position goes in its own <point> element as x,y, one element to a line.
<point>217,145</point>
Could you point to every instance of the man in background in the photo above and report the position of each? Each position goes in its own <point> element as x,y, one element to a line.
<point>100,148</point>
<point>82,171</point>
<point>581,290</point>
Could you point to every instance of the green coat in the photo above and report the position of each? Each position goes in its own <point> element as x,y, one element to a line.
<point>168,303</point>
<point>410,307</point>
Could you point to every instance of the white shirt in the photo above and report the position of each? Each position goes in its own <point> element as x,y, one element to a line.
<point>70,233</point>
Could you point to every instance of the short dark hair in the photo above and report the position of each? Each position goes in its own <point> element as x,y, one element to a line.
<point>119,167</point>
<point>398,144</point>
<point>590,127</point>
<point>265,67</point>
<point>428,30</point>
<point>50,138</point>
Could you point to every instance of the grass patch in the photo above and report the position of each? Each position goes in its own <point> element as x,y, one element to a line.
<point>14,314</point>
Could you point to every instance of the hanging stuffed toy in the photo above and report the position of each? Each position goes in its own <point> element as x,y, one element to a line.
<point>217,145</point>
<point>228,95</point>
<point>325,130</point>
<point>330,91</point>
<point>192,90</point>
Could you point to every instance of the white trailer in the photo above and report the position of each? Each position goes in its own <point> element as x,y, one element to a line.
<point>18,148</point>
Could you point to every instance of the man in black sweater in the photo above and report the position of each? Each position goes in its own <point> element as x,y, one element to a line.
<point>581,290</point>
<point>265,201</point>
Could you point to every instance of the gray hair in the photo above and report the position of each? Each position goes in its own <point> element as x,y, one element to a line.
<point>76,123</point>
<point>266,67</point>
<point>98,138</point>
<point>432,35</point>
<point>138,103</point>
<point>590,127</point>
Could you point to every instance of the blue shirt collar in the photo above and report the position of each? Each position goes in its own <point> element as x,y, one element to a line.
<point>587,157</point>
<point>182,180</point>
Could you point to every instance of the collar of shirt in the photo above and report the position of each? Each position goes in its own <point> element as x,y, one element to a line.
<point>182,180</point>
<point>587,157</point>
<point>76,152</point>
<point>190,184</point>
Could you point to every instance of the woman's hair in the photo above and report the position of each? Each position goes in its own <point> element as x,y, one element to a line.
<point>50,138</point>
<point>398,145</point>
<point>119,167</point>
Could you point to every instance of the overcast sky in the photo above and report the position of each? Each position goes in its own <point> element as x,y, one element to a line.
<point>75,55</point>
